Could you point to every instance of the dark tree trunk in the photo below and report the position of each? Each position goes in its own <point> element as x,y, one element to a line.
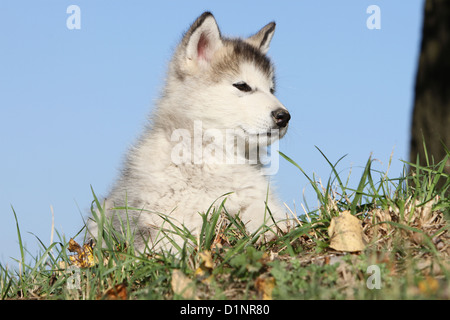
<point>431,116</point>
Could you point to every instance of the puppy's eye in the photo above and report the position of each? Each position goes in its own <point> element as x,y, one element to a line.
<point>242,86</point>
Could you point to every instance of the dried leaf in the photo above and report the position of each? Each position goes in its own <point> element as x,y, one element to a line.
<point>206,260</point>
<point>428,286</point>
<point>264,285</point>
<point>182,285</point>
<point>118,292</point>
<point>204,271</point>
<point>83,257</point>
<point>345,233</point>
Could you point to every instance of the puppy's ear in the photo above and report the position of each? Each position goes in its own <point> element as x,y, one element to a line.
<point>261,40</point>
<point>202,40</point>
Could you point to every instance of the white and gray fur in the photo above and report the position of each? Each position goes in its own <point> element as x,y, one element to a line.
<point>201,85</point>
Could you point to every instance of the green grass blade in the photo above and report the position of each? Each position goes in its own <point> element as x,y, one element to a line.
<point>333,167</point>
<point>311,181</point>
<point>22,255</point>
<point>362,184</point>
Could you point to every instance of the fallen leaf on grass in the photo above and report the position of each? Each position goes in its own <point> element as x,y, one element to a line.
<point>428,286</point>
<point>83,257</point>
<point>206,260</point>
<point>264,285</point>
<point>182,285</point>
<point>118,292</point>
<point>346,233</point>
<point>204,271</point>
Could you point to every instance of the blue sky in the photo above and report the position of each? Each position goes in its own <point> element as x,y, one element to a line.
<point>73,101</point>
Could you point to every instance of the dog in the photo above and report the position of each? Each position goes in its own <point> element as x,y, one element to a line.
<point>203,143</point>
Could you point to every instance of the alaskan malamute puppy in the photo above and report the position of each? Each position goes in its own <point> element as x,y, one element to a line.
<point>216,114</point>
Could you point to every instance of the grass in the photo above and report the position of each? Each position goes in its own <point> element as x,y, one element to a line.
<point>405,227</point>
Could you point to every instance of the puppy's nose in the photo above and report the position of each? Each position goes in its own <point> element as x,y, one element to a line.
<point>281,117</point>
